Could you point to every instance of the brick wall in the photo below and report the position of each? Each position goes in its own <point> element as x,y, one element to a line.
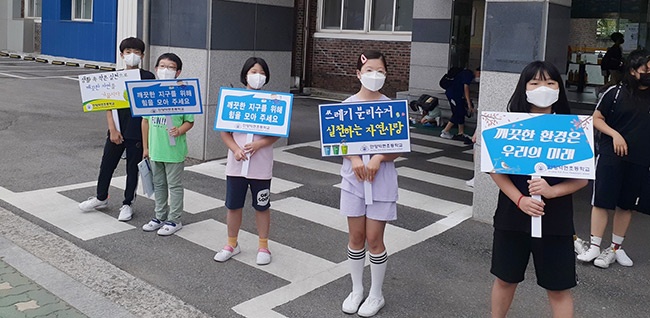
<point>333,64</point>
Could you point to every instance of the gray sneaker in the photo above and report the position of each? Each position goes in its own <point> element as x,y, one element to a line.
<point>92,204</point>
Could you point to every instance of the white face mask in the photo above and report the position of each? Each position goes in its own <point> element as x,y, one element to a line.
<point>373,81</point>
<point>165,73</point>
<point>543,96</point>
<point>132,59</point>
<point>256,81</point>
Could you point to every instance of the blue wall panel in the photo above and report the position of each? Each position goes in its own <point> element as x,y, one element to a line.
<point>93,40</point>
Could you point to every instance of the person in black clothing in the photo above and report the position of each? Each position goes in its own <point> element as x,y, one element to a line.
<point>612,63</point>
<point>128,137</point>
<point>539,90</point>
<point>622,116</point>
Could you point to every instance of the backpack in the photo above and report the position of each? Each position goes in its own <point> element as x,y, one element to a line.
<point>448,79</point>
<point>425,103</point>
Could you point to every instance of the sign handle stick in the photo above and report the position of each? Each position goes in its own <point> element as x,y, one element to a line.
<point>116,120</point>
<point>367,186</point>
<point>244,166</point>
<point>536,221</point>
<point>170,125</point>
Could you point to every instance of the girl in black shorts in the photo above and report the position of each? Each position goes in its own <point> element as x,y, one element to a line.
<point>623,117</point>
<point>539,90</point>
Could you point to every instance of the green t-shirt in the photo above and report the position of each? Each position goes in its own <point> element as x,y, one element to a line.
<point>159,148</point>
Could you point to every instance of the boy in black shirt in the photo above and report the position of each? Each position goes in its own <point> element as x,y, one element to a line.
<point>128,137</point>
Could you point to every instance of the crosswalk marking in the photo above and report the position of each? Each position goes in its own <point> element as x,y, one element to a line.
<point>437,139</point>
<point>424,149</point>
<point>217,169</point>
<point>432,178</point>
<point>193,202</point>
<point>64,213</point>
<point>453,162</point>
<point>288,263</point>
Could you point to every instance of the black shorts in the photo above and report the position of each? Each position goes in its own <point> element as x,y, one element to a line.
<point>236,188</point>
<point>618,183</point>
<point>553,257</point>
<point>458,111</point>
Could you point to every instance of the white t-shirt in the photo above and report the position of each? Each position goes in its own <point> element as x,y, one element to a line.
<point>384,186</point>
<point>261,162</point>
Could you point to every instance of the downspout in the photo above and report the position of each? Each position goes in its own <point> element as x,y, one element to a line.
<point>305,45</point>
<point>145,31</point>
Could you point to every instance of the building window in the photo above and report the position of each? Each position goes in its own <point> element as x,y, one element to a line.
<point>367,15</point>
<point>82,10</point>
<point>33,9</point>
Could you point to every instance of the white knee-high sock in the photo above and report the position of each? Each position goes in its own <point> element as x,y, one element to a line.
<point>377,273</point>
<point>356,259</point>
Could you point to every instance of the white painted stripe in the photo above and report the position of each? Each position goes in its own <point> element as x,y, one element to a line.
<point>193,202</point>
<point>424,149</point>
<point>64,213</point>
<point>262,306</point>
<point>437,139</point>
<point>453,162</point>
<point>288,263</point>
<point>469,151</point>
<point>217,169</point>
<point>433,178</point>
<point>12,75</point>
<point>307,163</point>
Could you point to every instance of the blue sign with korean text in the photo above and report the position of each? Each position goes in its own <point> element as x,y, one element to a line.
<point>164,97</point>
<point>364,128</point>
<point>253,111</point>
<point>538,144</point>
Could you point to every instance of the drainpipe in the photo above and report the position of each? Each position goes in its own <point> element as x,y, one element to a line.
<point>305,45</point>
<point>145,31</point>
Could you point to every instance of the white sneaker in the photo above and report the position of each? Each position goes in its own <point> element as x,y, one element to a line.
<point>446,135</point>
<point>169,228</point>
<point>579,246</point>
<point>470,182</point>
<point>92,203</point>
<point>622,258</point>
<point>263,256</point>
<point>226,253</point>
<point>351,303</point>
<point>371,306</point>
<point>606,258</point>
<point>153,225</point>
<point>126,213</point>
<point>590,254</point>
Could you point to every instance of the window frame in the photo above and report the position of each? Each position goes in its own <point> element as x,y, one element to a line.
<point>83,4</point>
<point>32,4</point>
<point>367,32</point>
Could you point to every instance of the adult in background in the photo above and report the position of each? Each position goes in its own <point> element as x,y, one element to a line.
<point>612,64</point>
<point>457,92</point>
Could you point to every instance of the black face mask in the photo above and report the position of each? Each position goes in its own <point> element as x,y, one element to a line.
<point>644,79</point>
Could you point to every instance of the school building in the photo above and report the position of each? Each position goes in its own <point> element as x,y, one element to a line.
<point>312,45</point>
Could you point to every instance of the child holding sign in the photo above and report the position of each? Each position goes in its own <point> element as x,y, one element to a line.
<point>259,152</point>
<point>167,161</point>
<point>540,91</point>
<point>366,223</point>
<point>126,137</point>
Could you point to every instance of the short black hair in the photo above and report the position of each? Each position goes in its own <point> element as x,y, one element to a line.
<point>370,55</point>
<point>518,102</point>
<point>617,36</point>
<point>131,43</point>
<point>172,57</point>
<point>249,64</point>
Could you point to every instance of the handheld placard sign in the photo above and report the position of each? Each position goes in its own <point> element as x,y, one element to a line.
<point>364,128</point>
<point>540,145</point>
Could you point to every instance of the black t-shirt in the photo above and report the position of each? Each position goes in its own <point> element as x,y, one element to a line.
<point>613,59</point>
<point>558,212</point>
<point>630,116</point>
<point>131,126</point>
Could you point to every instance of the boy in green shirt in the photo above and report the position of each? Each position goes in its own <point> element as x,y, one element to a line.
<point>167,161</point>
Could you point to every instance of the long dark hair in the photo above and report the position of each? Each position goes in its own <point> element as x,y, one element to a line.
<point>541,70</point>
<point>636,59</point>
